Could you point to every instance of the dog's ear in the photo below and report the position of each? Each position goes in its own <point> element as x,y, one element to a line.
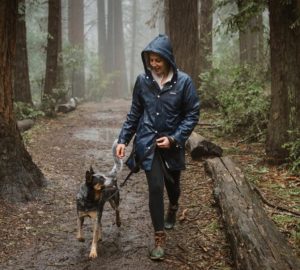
<point>88,177</point>
<point>92,170</point>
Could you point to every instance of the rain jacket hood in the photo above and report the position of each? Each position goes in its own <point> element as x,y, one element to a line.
<point>162,46</point>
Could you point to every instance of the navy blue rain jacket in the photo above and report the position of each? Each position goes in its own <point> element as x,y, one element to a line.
<point>171,111</point>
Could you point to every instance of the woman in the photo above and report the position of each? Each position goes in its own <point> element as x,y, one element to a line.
<point>164,111</point>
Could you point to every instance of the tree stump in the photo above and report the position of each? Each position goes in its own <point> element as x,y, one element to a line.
<point>256,242</point>
<point>200,147</point>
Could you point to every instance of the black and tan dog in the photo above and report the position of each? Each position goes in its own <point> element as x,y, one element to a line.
<point>93,194</point>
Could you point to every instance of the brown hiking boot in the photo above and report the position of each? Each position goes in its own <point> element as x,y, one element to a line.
<point>170,219</point>
<point>158,252</point>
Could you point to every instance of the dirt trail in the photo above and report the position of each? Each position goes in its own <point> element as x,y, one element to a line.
<point>41,234</point>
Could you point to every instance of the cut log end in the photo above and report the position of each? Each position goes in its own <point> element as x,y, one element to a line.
<point>199,147</point>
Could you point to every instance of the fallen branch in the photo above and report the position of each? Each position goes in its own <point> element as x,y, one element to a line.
<point>277,207</point>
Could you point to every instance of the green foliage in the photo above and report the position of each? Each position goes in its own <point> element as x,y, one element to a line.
<point>48,105</point>
<point>294,151</point>
<point>210,83</point>
<point>25,111</point>
<point>240,93</point>
<point>243,103</point>
<point>239,21</point>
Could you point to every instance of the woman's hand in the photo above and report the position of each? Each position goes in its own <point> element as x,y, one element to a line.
<point>120,150</point>
<point>163,142</point>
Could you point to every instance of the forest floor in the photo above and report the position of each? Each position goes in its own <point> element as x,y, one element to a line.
<point>42,234</point>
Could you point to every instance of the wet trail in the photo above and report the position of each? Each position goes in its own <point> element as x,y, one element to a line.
<point>64,148</point>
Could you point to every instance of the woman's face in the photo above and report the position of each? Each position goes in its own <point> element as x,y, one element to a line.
<point>158,64</point>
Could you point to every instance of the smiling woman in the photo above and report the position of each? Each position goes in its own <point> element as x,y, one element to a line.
<point>164,111</point>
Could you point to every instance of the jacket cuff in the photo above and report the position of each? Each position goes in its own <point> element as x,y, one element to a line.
<point>122,141</point>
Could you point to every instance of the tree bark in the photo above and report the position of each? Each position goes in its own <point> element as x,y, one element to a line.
<point>102,41</point>
<point>51,77</point>
<point>76,38</point>
<point>206,22</point>
<point>116,56</point>
<point>133,43</point>
<point>121,81</point>
<point>256,242</point>
<point>250,41</point>
<point>22,91</point>
<point>285,76</point>
<point>19,176</point>
<point>183,29</point>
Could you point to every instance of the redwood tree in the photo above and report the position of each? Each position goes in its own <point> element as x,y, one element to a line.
<point>183,30</point>
<point>21,80</point>
<point>53,46</point>
<point>206,22</point>
<point>285,75</point>
<point>251,31</point>
<point>115,59</point>
<point>76,38</point>
<point>19,176</point>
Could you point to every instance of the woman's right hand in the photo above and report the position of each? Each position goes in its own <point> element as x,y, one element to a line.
<point>120,150</point>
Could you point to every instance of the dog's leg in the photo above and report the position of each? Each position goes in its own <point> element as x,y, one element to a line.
<point>80,236</point>
<point>114,202</point>
<point>96,232</point>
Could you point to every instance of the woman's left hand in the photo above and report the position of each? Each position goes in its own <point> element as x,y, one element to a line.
<point>163,142</point>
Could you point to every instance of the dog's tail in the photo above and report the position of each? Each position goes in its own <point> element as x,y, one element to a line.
<point>118,163</point>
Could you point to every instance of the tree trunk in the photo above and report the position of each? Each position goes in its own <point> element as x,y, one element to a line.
<point>206,22</point>
<point>110,57</point>
<point>51,77</point>
<point>116,57</point>
<point>76,38</point>
<point>101,30</point>
<point>183,28</point>
<point>121,81</point>
<point>167,17</point>
<point>19,176</point>
<point>250,37</point>
<point>133,43</point>
<point>285,76</point>
<point>256,243</point>
<point>21,80</point>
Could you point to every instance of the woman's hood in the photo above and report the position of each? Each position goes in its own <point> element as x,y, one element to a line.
<point>162,46</point>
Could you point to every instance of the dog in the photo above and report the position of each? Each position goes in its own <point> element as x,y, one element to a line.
<point>97,189</point>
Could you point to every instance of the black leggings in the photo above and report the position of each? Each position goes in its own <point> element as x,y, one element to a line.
<point>155,178</point>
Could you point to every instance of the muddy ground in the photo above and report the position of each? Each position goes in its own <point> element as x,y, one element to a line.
<point>41,234</point>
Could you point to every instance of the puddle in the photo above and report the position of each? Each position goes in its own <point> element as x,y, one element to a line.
<point>104,135</point>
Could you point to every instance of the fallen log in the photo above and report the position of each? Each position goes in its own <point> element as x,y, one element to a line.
<point>256,243</point>
<point>25,124</point>
<point>200,147</point>
<point>67,107</point>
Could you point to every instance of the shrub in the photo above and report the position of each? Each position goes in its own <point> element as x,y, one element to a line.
<point>25,111</point>
<point>243,102</point>
<point>294,151</point>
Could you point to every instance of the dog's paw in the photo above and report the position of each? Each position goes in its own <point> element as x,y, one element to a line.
<point>93,254</point>
<point>80,239</point>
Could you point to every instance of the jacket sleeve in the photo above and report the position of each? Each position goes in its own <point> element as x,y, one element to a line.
<point>191,112</point>
<point>133,117</point>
